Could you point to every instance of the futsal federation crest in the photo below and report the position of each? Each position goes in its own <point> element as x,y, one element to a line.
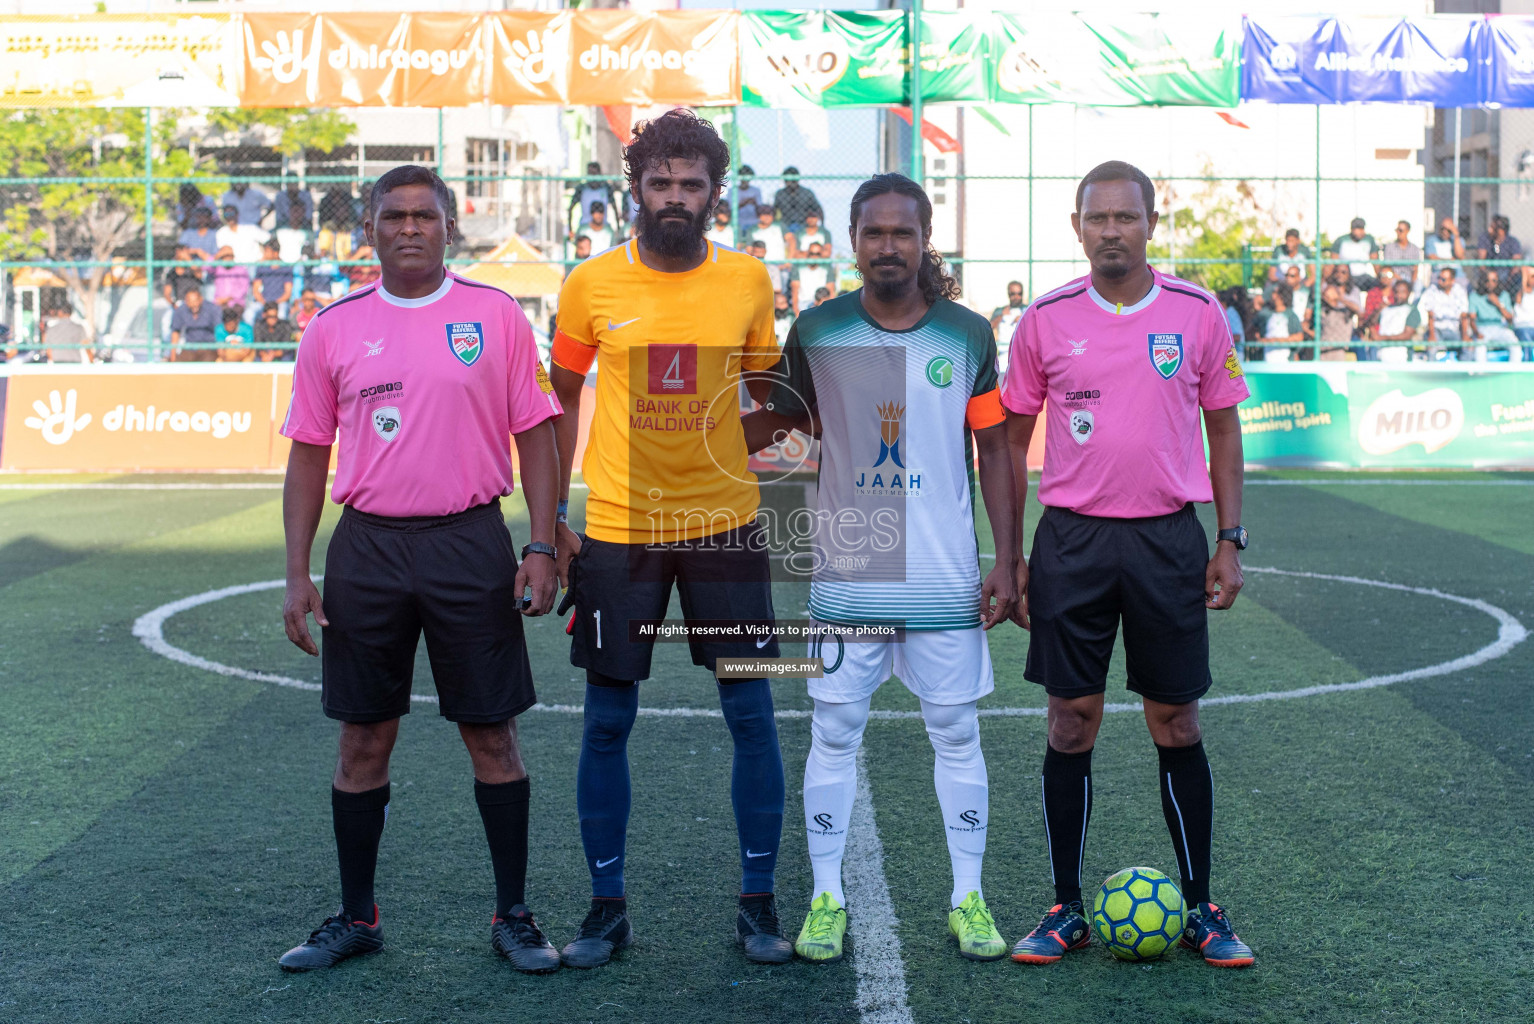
<point>1166,354</point>
<point>386,422</point>
<point>467,341</point>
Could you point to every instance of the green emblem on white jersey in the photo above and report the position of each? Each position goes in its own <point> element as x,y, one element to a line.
<point>940,371</point>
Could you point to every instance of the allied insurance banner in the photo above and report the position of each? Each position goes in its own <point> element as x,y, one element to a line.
<point>1362,416</point>
<point>1435,60</point>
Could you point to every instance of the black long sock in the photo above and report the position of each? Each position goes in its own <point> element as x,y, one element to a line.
<point>1067,809</point>
<point>503,808</point>
<point>1187,800</point>
<point>359,821</point>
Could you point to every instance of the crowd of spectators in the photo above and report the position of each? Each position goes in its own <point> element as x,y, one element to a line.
<point>788,234</point>
<point>1395,302</point>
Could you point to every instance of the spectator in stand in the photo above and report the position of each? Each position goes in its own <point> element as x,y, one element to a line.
<point>339,209</point>
<point>597,229</point>
<point>273,336</point>
<point>821,295</point>
<point>321,272</point>
<point>201,239</point>
<point>363,273</point>
<point>235,335</point>
<point>180,280</point>
<point>722,232</point>
<point>1446,308</point>
<point>811,232</point>
<point>1446,247</point>
<point>793,202</point>
<point>1299,289</point>
<point>243,240</point>
<point>1398,321</point>
<point>808,278</point>
<point>250,203</point>
<point>1292,254</point>
<point>1497,244</point>
<point>782,316</point>
<point>64,338</point>
<point>587,194</point>
<point>294,236</point>
<point>194,322</point>
<point>775,246</point>
<point>1004,318</point>
<point>1522,296</point>
<point>303,312</point>
<point>293,197</point>
<point>1280,325</point>
<point>189,200</point>
<point>750,198</point>
<point>1232,300</point>
<point>583,248</point>
<point>1491,319</point>
<point>1375,299</point>
<point>1341,304</point>
<point>1402,255</point>
<point>1358,248</point>
<point>273,280</point>
<point>231,281</point>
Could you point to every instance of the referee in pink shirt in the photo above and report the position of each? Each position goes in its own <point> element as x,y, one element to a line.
<point>427,376</point>
<point>1126,358</point>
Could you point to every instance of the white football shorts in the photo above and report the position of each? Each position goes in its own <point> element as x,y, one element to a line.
<point>950,666</point>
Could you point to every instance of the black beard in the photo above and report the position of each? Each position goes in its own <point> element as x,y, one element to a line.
<point>671,236</point>
<point>1113,271</point>
<point>890,290</point>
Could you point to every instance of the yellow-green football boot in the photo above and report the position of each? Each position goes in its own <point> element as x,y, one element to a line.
<point>821,938</point>
<point>971,923</point>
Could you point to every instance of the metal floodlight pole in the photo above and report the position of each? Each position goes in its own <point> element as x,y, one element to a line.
<point>152,336</point>
<point>918,164</point>
<point>1315,285</point>
<point>736,161</point>
<point>1458,114</point>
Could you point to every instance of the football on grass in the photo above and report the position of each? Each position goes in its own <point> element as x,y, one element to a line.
<point>1138,913</point>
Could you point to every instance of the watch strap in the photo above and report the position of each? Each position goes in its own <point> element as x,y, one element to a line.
<point>538,547</point>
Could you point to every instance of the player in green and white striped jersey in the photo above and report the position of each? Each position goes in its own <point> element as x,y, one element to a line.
<point>900,384</point>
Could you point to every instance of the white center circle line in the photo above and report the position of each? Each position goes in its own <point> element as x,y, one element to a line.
<point>149,628</point>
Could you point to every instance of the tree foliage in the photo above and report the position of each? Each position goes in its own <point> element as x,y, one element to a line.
<point>1214,221</point>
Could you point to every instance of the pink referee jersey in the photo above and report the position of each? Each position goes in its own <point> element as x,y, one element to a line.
<point>1124,385</point>
<point>426,393</point>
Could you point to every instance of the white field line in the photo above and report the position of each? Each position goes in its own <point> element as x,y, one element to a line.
<point>1325,482</point>
<point>881,994</point>
<point>149,628</point>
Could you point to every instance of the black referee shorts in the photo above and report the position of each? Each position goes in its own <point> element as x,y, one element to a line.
<point>726,577</point>
<point>389,579</point>
<point>1086,573</point>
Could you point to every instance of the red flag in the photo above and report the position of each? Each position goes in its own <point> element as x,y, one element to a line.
<point>1230,119</point>
<point>944,142</point>
<point>621,121</point>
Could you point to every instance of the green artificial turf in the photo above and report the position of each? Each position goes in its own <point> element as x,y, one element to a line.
<point>165,832</point>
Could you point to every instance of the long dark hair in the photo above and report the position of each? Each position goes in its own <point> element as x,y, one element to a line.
<point>932,276</point>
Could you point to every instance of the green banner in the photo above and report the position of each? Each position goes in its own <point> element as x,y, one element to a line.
<point>1121,60</point>
<point>1364,415</point>
<point>799,59</point>
<point>955,56</point>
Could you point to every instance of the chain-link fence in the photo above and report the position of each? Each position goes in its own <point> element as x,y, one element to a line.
<point>253,218</point>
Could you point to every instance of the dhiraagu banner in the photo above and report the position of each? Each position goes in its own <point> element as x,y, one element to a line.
<point>1457,416</point>
<point>801,59</point>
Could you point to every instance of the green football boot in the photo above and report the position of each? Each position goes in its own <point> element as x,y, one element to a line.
<point>971,923</point>
<point>821,938</point>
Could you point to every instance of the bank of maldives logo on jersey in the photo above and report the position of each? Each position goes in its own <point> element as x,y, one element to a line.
<point>888,476</point>
<point>467,341</point>
<point>1166,354</point>
<point>672,370</point>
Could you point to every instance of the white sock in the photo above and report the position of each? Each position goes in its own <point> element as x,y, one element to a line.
<point>958,774</point>
<point>830,784</point>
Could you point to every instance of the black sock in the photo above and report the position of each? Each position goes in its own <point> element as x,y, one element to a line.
<point>503,808</point>
<point>359,821</point>
<point>1067,809</point>
<point>1187,800</point>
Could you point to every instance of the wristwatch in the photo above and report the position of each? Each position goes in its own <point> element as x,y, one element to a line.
<point>538,547</point>
<point>1236,535</point>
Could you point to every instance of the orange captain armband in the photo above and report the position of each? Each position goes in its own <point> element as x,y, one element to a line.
<point>985,410</point>
<point>573,355</point>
